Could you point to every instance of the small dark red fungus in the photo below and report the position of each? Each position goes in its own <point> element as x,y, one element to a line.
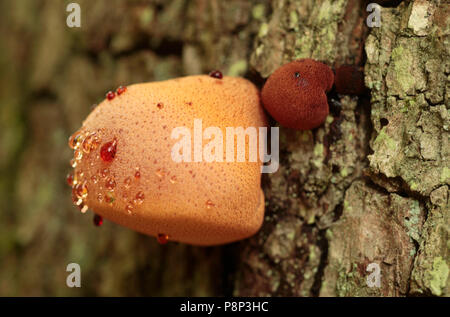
<point>108,151</point>
<point>216,74</point>
<point>110,95</point>
<point>295,94</point>
<point>349,80</point>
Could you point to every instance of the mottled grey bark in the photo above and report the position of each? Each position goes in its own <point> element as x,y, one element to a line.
<point>371,186</point>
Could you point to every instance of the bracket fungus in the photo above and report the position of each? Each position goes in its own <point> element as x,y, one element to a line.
<point>295,94</point>
<point>124,170</point>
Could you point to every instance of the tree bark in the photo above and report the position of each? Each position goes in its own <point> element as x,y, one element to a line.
<point>369,186</point>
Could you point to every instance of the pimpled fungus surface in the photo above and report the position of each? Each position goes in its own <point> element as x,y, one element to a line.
<point>295,94</point>
<point>127,174</point>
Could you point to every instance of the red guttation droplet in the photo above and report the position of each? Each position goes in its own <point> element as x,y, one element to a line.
<point>108,151</point>
<point>216,74</point>
<point>69,179</point>
<point>121,90</point>
<point>98,220</point>
<point>110,95</point>
<point>162,238</point>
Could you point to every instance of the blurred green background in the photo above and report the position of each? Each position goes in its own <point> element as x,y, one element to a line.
<point>50,76</point>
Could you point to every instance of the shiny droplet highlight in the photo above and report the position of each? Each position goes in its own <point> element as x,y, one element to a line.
<point>129,208</point>
<point>121,90</point>
<point>74,140</point>
<point>216,74</point>
<point>162,238</point>
<point>139,199</point>
<point>80,190</point>
<point>90,143</point>
<point>209,204</point>
<point>137,174</point>
<point>110,184</point>
<point>69,179</point>
<point>110,95</point>
<point>104,172</point>
<point>78,154</point>
<point>160,173</point>
<point>127,182</point>
<point>109,197</point>
<point>84,208</point>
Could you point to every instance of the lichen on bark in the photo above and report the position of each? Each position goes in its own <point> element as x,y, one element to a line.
<point>407,69</point>
<point>383,193</point>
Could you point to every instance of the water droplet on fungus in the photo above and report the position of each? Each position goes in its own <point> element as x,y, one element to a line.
<point>81,190</point>
<point>121,90</point>
<point>209,204</point>
<point>160,173</point>
<point>90,143</point>
<point>98,220</point>
<point>162,238</point>
<point>110,184</point>
<point>79,175</point>
<point>127,182</point>
<point>108,151</point>
<point>216,74</point>
<point>139,198</point>
<point>109,197</point>
<point>78,154</point>
<point>129,208</point>
<point>74,140</point>
<point>84,209</point>
<point>69,179</point>
<point>104,172</point>
<point>79,203</point>
<point>110,95</point>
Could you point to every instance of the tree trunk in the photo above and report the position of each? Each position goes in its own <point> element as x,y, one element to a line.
<point>369,186</point>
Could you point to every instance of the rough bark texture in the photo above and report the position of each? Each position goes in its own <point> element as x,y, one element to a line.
<point>370,186</point>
